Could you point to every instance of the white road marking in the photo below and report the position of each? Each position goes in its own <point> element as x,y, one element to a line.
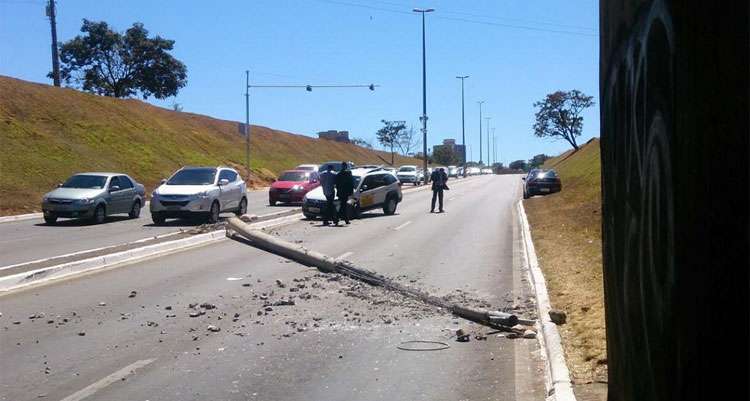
<point>345,255</point>
<point>103,383</point>
<point>402,226</point>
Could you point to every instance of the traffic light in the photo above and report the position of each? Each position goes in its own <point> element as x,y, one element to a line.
<point>308,88</point>
<point>372,87</point>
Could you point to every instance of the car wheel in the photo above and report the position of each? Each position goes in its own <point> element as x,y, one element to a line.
<point>100,214</point>
<point>243,207</point>
<point>158,219</point>
<point>135,211</point>
<point>51,219</point>
<point>309,216</point>
<point>271,202</point>
<point>390,206</point>
<point>213,215</point>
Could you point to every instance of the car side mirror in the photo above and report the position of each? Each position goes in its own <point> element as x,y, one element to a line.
<point>163,181</point>
<point>523,178</point>
<point>59,184</point>
<point>223,182</point>
<point>364,188</point>
<point>114,188</point>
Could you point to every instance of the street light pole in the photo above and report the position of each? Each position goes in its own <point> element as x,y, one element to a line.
<point>463,124</point>
<point>247,122</point>
<point>424,91</point>
<point>488,138</point>
<point>481,102</point>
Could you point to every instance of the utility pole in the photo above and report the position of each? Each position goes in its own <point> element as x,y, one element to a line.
<point>488,138</point>
<point>481,102</point>
<point>55,57</point>
<point>494,146</point>
<point>463,124</point>
<point>247,122</point>
<point>423,118</point>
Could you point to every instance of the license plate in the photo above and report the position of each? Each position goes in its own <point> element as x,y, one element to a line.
<point>543,189</point>
<point>314,209</point>
<point>173,207</point>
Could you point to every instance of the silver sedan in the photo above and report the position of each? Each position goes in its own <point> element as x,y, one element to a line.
<point>94,196</point>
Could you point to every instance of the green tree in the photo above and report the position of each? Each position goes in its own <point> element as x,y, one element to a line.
<point>518,165</point>
<point>537,160</point>
<point>390,135</point>
<point>109,63</point>
<point>559,115</point>
<point>444,155</point>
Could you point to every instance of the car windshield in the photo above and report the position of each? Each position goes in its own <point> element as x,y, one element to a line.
<point>407,169</point>
<point>193,176</point>
<point>86,181</point>
<point>293,176</point>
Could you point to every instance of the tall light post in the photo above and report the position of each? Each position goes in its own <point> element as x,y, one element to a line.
<point>494,146</point>
<point>488,138</point>
<point>481,102</point>
<point>463,124</point>
<point>423,11</point>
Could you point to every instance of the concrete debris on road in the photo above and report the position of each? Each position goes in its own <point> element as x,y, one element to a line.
<point>557,316</point>
<point>132,294</point>
<point>529,334</point>
<point>213,328</point>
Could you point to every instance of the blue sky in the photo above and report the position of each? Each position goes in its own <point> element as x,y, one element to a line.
<point>515,52</point>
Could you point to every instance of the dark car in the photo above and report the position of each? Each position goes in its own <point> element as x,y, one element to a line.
<point>541,182</point>
<point>335,164</point>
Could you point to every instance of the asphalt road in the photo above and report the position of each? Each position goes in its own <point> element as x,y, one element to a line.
<point>28,240</point>
<point>338,342</point>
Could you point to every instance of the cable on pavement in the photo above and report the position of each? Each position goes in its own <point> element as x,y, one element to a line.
<point>436,345</point>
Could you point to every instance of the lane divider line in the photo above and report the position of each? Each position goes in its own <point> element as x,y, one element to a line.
<point>345,255</point>
<point>402,226</point>
<point>106,381</point>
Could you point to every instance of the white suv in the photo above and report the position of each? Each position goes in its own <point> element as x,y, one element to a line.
<point>199,191</point>
<point>408,175</point>
<point>373,189</point>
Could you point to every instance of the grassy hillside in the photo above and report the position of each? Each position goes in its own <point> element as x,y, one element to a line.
<point>566,228</point>
<point>48,133</point>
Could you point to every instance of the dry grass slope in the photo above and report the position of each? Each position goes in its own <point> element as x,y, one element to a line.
<point>49,133</point>
<point>566,228</point>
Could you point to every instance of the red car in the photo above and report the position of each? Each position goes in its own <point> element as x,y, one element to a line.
<point>292,186</point>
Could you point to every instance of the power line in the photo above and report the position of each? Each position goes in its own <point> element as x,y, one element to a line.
<point>467,20</point>
<point>444,11</point>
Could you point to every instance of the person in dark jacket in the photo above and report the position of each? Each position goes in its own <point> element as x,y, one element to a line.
<point>344,190</point>
<point>328,182</point>
<point>439,183</point>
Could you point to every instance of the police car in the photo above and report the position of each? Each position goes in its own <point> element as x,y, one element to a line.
<point>373,189</point>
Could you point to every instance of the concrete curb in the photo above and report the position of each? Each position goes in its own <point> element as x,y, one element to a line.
<point>20,217</point>
<point>561,385</point>
<point>65,270</point>
<point>33,216</point>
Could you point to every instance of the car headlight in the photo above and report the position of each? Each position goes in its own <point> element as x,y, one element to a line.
<point>84,201</point>
<point>201,195</point>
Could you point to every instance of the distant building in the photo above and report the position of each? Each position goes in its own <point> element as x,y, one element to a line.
<point>333,135</point>
<point>458,150</point>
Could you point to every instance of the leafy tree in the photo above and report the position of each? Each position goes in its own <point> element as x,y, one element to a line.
<point>518,165</point>
<point>390,135</point>
<point>109,63</point>
<point>444,155</point>
<point>362,142</point>
<point>538,160</point>
<point>559,115</point>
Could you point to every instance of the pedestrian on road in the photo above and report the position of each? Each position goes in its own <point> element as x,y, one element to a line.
<point>344,190</point>
<point>328,182</point>
<point>439,183</point>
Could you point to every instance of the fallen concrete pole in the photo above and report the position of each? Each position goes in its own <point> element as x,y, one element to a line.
<point>325,263</point>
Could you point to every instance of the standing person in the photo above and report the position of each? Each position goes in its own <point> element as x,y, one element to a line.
<point>328,182</point>
<point>344,189</point>
<point>439,183</point>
